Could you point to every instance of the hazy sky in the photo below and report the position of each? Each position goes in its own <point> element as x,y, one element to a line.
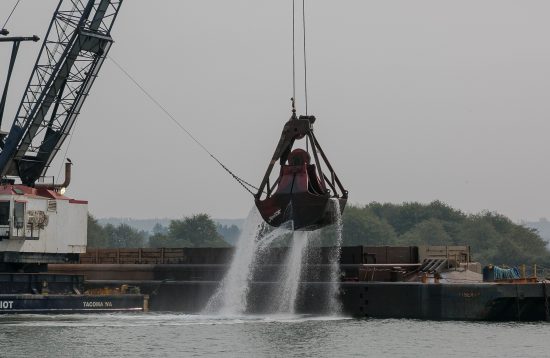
<point>415,100</point>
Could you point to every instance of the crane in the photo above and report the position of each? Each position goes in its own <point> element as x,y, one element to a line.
<point>37,222</point>
<point>76,45</point>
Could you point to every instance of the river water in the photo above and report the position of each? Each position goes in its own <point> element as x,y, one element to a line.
<point>180,335</point>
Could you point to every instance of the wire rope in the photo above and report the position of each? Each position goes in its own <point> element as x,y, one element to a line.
<point>305,56</point>
<point>11,13</point>
<point>246,185</point>
<point>293,52</point>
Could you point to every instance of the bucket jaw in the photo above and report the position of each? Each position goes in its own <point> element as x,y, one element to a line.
<point>302,192</point>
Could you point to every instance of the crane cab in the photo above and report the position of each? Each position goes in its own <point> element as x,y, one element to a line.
<point>40,224</point>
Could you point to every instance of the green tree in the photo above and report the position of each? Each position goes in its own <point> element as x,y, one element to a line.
<point>195,231</point>
<point>509,253</point>
<point>159,229</point>
<point>407,215</point>
<point>163,240</point>
<point>492,237</point>
<point>361,227</point>
<point>124,236</point>
<point>96,235</point>
<point>229,233</point>
<point>428,232</point>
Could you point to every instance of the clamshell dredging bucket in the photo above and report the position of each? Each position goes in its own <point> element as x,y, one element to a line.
<point>302,192</point>
<point>299,197</point>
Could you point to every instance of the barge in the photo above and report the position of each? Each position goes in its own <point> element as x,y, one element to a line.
<point>433,283</point>
<point>62,293</point>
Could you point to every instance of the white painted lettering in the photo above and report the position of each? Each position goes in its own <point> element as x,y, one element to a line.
<point>6,305</point>
<point>97,304</point>
<point>275,214</point>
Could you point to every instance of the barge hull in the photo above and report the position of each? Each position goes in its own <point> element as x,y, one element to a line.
<point>62,304</point>
<point>480,301</point>
<point>472,302</point>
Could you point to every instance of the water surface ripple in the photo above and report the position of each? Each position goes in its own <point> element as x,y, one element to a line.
<point>180,335</point>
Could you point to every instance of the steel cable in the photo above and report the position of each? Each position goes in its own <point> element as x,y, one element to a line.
<point>293,51</point>
<point>246,185</point>
<point>305,58</point>
<point>11,13</point>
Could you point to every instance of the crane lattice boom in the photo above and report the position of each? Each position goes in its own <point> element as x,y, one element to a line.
<point>77,43</point>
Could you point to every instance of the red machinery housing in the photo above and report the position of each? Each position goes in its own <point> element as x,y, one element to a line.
<point>302,193</point>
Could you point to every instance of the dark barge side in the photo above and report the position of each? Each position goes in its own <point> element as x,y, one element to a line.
<point>62,293</point>
<point>435,283</point>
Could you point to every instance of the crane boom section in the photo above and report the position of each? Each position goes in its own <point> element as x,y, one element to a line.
<point>74,49</point>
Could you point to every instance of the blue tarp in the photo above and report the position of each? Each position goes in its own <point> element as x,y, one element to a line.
<point>496,273</point>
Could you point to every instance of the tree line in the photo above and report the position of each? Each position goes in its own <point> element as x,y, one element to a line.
<point>194,231</point>
<point>493,238</point>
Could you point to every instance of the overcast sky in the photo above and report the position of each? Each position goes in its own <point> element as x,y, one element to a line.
<point>415,100</point>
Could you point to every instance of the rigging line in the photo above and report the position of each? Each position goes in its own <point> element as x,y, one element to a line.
<point>305,63</point>
<point>305,60</point>
<point>241,181</point>
<point>293,50</point>
<point>11,13</point>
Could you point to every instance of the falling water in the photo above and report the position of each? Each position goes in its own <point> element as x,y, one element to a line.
<point>231,296</point>
<point>334,305</point>
<point>290,276</point>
